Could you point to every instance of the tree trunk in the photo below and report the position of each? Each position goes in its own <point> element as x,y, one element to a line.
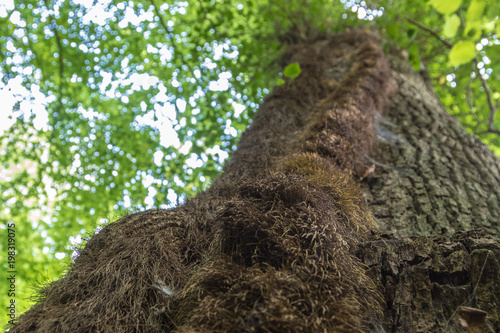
<point>436,192</point>
<point>284,240</point>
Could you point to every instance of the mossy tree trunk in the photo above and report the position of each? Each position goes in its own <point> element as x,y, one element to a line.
<point>284,241</point>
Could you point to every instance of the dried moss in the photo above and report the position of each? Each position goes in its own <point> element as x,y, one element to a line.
<point>282,261</point>
<point>338,183</point>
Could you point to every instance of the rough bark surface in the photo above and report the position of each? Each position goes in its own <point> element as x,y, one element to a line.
<point>284,241</point>
<point>427,280</point>
<point>433,177</point>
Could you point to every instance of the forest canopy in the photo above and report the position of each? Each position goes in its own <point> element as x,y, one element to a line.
<point>113,107</point>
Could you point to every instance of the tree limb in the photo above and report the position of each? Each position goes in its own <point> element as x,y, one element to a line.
<point>53,27</point>
<point>470,103</point>
<point>491,106</point>
<point>432,32</point>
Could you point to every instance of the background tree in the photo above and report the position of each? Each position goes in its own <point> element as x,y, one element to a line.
<point>117,116</point>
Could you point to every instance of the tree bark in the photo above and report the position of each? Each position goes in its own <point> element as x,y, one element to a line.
<point>284,241</point>
<point>435,192</point>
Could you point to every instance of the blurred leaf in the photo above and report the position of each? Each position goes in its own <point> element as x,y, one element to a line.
<point>472,30</point>
<point>451,25</point>
<point>292,71</point>
<point>412,32</point>
<point>475,10</point>
<point>446,7</point>
<point>493,10</point>
<point>414,57</point>
<point>393,30</point>
<point>462,52</point>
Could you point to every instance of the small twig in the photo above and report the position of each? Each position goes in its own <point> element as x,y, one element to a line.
<point>479,278</point>
<point>171,39</point>
<point>489,130</point>
<point>432,32</point>
<point>469,100</point>
<point>493,110</point>
<point>53,27</point>
<point>167,34</point>
<point>492,107</point>
<point>471,296</point>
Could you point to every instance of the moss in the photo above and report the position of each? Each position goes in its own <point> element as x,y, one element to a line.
<point>282,259</point>
<point>338,183</point>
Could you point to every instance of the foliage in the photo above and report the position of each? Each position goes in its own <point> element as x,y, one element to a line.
<point>122,106</point>
<point>456,43</point>
<point>291,71</point>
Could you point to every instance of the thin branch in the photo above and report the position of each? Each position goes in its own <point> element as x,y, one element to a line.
<point>490,130</point>
<point>492,107</point>
<point>53,27</point>
<point>6,69</point>
<point>432,32</point>
<point>171,39</point>
<point>469,100</point>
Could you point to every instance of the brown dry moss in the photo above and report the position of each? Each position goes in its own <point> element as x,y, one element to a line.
<point>281,262</point>
<point>338,183</point>
<point>110,286</point>
<point>342,125</point>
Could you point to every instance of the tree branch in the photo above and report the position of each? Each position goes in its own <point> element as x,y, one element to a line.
<point>432,32</point>
<point>492,107</point>
<point>53,27</point>
<point>470,103</point>
<point>165,27</point>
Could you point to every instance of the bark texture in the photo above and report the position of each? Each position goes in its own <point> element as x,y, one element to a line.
<point>284,241</point>
<point>432,179</point>
<point>426,281</point>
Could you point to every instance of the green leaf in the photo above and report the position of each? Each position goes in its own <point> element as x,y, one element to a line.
<point>393,30</point>
<point>280,82</point>
<point>446,7</point>
<point>414,57</point>
<point>472,30</point>
<point>451,25</point>
<point>412,32</point>
<point>492,11</point>
<point>462,52</point>
<point>292,71</point>
<point>475,10</point>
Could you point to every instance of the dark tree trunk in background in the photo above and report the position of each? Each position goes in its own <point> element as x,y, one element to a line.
<point>284,240</point>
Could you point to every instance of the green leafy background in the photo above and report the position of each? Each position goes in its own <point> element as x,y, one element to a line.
<point>123,106</point>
